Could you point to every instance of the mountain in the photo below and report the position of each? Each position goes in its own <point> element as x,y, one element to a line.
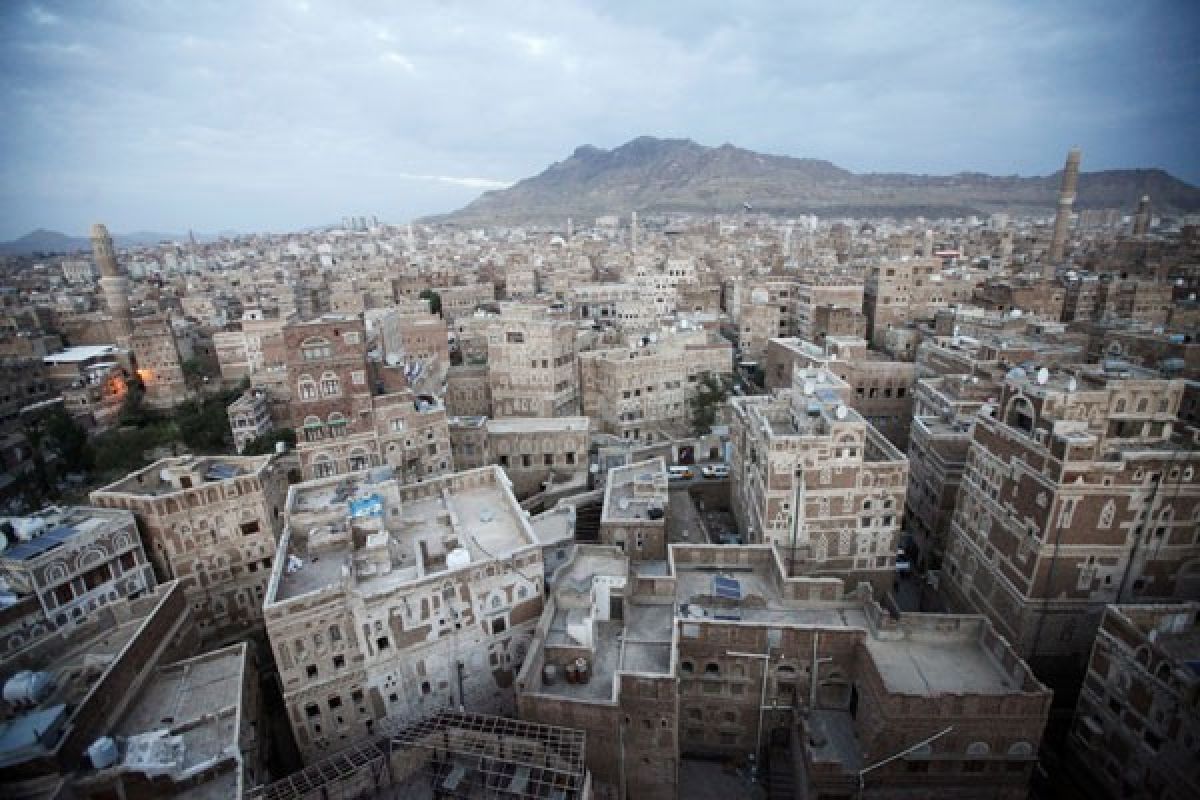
<point>656,175</point>
<point>48,242</point>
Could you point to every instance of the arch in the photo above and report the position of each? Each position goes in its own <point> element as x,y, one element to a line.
<point>331,384</point>
<point>978,749</point>
<point>1020,749</point>
<point>306,387</point>
<point>1020,413</point>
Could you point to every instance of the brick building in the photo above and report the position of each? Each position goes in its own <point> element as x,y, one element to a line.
<point>390,602</point>
<point>816,480</point>
<point>211,523</point>
<point>1078,491</point>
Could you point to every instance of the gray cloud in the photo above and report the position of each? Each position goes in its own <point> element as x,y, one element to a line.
<point>275,115</point>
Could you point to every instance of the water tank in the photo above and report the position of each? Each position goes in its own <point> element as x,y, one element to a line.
<point>458,558</point>
<point>26,689</point>
<point>281,447</point>
<point>103,752</point>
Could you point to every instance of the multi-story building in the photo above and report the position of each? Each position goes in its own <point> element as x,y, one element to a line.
<point>633,516</point>
<point>619,305</point>
<point>1136,725</point>
<point>331,406</point>
<point>468,392</point>
<point>898,292</point>
<point>531,363</point>
<point>249,418</point>
<point>211,523</point>
<point>761,310</point>
<point>159,364</point>
<point>468,441</point>
<point>828,304</point>
<point>391,602</point>
<point>1078,491</point>
<point>61,564</point>
<point>537,453</point>
<point>1146,301</point>
<point>643,391</point>
<point>413,436</point>
<point>717,652</point>
<point>816,480</point>
<point>882,387</point>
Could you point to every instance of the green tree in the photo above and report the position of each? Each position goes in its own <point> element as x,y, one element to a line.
<point>435,301</point>
<point>711,392</point>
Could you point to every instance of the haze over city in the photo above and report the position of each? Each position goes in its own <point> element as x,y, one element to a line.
<point>171,116</point>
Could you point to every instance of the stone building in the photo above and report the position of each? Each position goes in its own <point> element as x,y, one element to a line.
<point>75,683</point>
<point>1136,726</point>
<point>718,653</point>
<point>468,393</point>
<point>62,564</point>
<point>633,515</point>
<point>413,436</point>
<point>331,406</point>
<point>1079,490</point>
<point>898,292</point>
<point>92,380</point>
<point>531,363</point>
<point>1146,301</point>
<point>540,452</point>
<point>815,479</point>
<point>392,602</point>
<point>761,311</point>
<point>619,305</point>
<point>211,523</point>
<point>940,437</point>
<point>828,304</point>
<point>461,301</point>
<point>882,388</point>
<point>159,363</point>
<point>643,391</point>
<point>249,418</point>
<point>468,441</point>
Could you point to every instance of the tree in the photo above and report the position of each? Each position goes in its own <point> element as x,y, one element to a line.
<point>711,392</point>
<point>265,444</point>
<point>435,301</point>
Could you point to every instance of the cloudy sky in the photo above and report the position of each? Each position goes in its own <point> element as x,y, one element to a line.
<point>167,115</point>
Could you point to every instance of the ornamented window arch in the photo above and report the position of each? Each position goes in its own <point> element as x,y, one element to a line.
<point>1107,514</point>
<point>331,384</point>
<point>316,348</point>
<point>306,387</point>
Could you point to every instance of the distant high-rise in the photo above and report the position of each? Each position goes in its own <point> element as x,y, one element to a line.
<point>1141,220</point>
<point>114,285</point>
<point>1062,220</point>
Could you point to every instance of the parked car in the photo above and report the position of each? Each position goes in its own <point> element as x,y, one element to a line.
<point>680,473</point>
<point>715,471</point>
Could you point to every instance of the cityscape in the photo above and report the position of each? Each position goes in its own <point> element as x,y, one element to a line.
<point>670,471</point>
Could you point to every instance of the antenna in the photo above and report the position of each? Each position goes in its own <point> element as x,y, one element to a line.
<point>1043,375</point>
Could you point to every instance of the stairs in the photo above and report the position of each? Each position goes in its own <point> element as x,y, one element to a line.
<point>781,780</point>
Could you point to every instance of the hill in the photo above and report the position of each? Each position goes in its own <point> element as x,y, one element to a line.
<point>656,175</point>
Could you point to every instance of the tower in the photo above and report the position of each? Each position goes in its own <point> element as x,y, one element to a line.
<point>1062,220</point>
<point>114,285</point>
<point>633,233</point>
<point>1141,220</point>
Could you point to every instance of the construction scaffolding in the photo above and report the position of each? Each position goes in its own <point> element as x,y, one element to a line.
<point>449,755</point>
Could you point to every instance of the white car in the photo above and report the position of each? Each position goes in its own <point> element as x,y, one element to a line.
<point>715,471</point>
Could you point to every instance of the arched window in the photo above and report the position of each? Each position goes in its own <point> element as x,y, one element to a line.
<point>306,388</point>
<point>978,749</point>
<point>1119,408</point>
<point>337,424</point>
<point>1143,405</point>
<point>712,668</point>
<point>313,429</point>
<point>687,667</point>
<point>316,348</point>
<point>323,466</point>
<point>331,386</point>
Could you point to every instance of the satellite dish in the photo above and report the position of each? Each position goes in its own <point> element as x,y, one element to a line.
<point>809,387</point>
<point>1043,375</point>
<point>1072,384</point>
<point>840,412</point>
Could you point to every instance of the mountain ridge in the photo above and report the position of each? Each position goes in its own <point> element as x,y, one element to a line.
<point>648,174</point>
<point>49,242</point>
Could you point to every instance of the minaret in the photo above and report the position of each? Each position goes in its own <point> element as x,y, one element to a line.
<point>114,285</point>
<point>570,229</point>
<point>1062,220</point>
<point>633,233</point>
<point>1141,220</point>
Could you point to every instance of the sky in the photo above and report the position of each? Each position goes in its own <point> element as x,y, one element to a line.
<point>170,115</point>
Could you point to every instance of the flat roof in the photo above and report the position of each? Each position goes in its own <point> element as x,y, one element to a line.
<point>938,666</point>
<point>73,355</point>
<point>538,424</point>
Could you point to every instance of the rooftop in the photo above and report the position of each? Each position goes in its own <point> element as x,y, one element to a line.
<point>538,424</point>
<point>368,530</point>
<point>53,527</point>
<point>636,491</point>
<point>938,665</point>
<point>75,355</point>
<point>170,475</point>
